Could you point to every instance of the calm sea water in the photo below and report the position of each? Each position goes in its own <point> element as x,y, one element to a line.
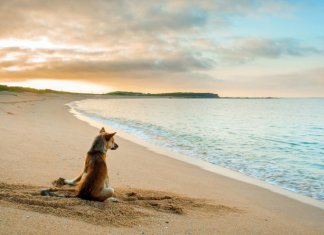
<point>280,141</point>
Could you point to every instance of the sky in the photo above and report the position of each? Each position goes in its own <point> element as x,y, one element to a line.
<point>232,48</point>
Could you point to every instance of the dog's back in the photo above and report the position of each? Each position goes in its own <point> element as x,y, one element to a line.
<point>93,181</point>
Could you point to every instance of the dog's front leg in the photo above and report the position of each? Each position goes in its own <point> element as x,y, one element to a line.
<point>107,182</point>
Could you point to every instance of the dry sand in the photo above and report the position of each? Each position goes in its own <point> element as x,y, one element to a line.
<point>41,141</point>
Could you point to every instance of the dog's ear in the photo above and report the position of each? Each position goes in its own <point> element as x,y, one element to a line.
<point>102,130</point>
<point>108,136</point>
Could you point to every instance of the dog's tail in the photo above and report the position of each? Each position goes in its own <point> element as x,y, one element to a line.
<point>53,192</point>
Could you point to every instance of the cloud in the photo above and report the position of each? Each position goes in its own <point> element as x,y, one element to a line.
<point>73,61</point>
<point>248,49</point>
<point>99,21</point>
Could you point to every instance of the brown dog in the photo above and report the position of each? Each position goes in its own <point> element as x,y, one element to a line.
<point>93,182</point>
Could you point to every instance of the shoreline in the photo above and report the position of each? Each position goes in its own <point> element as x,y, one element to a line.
<point>200,163</point>
<point>41,141</point>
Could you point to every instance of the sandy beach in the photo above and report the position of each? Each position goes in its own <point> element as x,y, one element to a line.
<point>42,141</point>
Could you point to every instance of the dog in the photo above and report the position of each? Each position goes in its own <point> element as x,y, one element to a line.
<point>93,182</point>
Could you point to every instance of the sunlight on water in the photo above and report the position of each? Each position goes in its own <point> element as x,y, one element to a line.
<point>280,141</point>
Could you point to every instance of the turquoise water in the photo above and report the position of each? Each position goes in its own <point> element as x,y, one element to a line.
<point>280,141</point>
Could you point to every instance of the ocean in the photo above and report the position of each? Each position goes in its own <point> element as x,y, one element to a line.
<point>279,141</point>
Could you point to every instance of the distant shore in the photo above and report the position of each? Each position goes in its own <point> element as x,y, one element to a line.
<point>129,94</point>
<point>42,141</point>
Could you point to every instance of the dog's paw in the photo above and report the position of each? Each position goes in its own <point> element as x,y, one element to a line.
<point>59,182</point>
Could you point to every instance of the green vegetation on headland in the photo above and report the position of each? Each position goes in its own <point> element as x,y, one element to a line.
<point>115,93</point>
<point>27,89</point>
<point>127,93</point>
<point>170,95</point>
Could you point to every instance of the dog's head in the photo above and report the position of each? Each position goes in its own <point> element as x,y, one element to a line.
<point>103,142</point>
<point>109,137</point>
